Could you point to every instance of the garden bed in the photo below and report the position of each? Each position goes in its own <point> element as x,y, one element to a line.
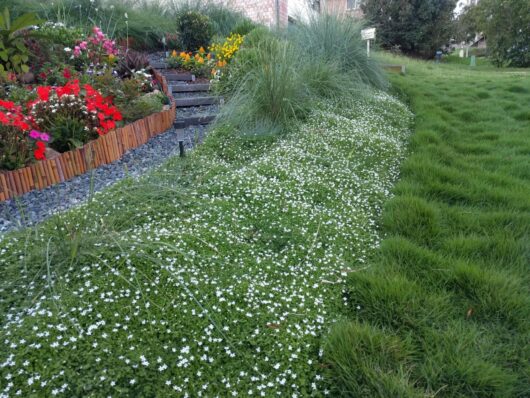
<point>106,149</point>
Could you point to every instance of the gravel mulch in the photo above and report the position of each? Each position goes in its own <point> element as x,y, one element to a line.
<point>36,206</point>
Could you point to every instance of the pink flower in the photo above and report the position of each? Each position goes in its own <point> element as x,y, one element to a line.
<point>34,134</point>
<point>45,137</point>
<point>77,51</point>
<point>83,45</point>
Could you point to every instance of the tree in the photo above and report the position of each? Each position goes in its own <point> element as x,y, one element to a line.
<point>506,24</point>
<point>417,26</point>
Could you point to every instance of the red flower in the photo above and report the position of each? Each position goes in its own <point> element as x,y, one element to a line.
<point>40,152</point>
<point>66,73</point>
<point>8,105</point>
<point>44,93</point>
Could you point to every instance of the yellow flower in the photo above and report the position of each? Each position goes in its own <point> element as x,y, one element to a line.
<point>174,54</point>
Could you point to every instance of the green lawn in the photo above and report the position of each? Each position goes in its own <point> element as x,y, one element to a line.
<point>444,309</point>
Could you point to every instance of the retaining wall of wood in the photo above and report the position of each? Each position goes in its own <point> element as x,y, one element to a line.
<point>106,149</point>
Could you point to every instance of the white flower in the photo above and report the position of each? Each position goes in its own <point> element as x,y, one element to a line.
<point>67,49</point>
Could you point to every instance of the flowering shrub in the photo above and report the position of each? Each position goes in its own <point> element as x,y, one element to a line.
<point>73,114</point>
<point>97,49</point>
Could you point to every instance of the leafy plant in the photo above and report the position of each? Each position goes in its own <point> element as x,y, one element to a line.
<point>14,54</point>
<point>131,62</point>
<point>195,30</point>
<point>144,106</point>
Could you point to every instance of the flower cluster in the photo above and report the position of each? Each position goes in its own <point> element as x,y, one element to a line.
<point>71,100</point>
<point>97,48</point>
<point>11,115</point>
<point>15,148</point>
<point>198,63</point>
<point>226,50</point>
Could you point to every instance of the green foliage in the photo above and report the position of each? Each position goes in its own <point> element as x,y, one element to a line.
<point>335,40</point>
<point>230,248</point>
<point>143,106</point>
<point>275,76</point>
<point>223,19</point>
<point>269,92</point>
<point>15,150</point>
<point>417,27</point>
<point>507,28</point>
<point>14,54</point>
<point>444,308</point>
<point>68,132</point>
<point>243,27</point>
<point>132,61</point>
<point>195,30</point>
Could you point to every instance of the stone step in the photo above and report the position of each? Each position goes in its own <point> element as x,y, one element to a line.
<point>195,101</point>
<point>188,88</point>
<point>193,121</point>
<point>179,77</point>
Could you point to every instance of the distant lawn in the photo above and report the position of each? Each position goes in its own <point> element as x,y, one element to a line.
<point>444,309</point>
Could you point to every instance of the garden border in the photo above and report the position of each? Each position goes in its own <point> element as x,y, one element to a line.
<point>103,150</point>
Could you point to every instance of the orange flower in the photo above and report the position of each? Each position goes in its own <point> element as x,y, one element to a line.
<point>201,50</point>
<point>174,53</point>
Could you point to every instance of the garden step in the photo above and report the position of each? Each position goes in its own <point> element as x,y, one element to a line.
<point>195,101</point>
<point>179,77</point>
<point>193,121</point>
<point>187,88</point>
<point>158,65</point>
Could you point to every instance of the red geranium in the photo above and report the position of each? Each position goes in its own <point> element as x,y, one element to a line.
<point>40,152</point>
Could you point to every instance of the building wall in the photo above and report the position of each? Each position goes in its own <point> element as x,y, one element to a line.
<point>341,7</point>
<point>261,11</point>
<point>300,9</point>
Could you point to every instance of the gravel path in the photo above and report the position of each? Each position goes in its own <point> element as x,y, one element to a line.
<point>36,206</point>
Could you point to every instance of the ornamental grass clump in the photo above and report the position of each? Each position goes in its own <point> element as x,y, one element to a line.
<point>336,40</point>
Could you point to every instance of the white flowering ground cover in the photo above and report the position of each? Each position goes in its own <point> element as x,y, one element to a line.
<point>215,276</point>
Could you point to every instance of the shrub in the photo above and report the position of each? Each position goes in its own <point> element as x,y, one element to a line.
<point>195,30</point>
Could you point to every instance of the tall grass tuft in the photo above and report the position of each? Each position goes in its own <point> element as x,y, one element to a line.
<point>269,93</point>
<point>337,40</point>
<point>276,75</point>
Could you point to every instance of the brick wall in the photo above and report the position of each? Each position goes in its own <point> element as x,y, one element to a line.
<point>261,11</point>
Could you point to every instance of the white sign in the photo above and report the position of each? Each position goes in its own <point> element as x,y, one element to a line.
<point>368,34</point>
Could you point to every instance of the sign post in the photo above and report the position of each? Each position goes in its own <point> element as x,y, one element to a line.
<point>368,34</point>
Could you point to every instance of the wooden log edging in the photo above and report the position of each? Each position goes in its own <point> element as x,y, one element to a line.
<point>104,150</point>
